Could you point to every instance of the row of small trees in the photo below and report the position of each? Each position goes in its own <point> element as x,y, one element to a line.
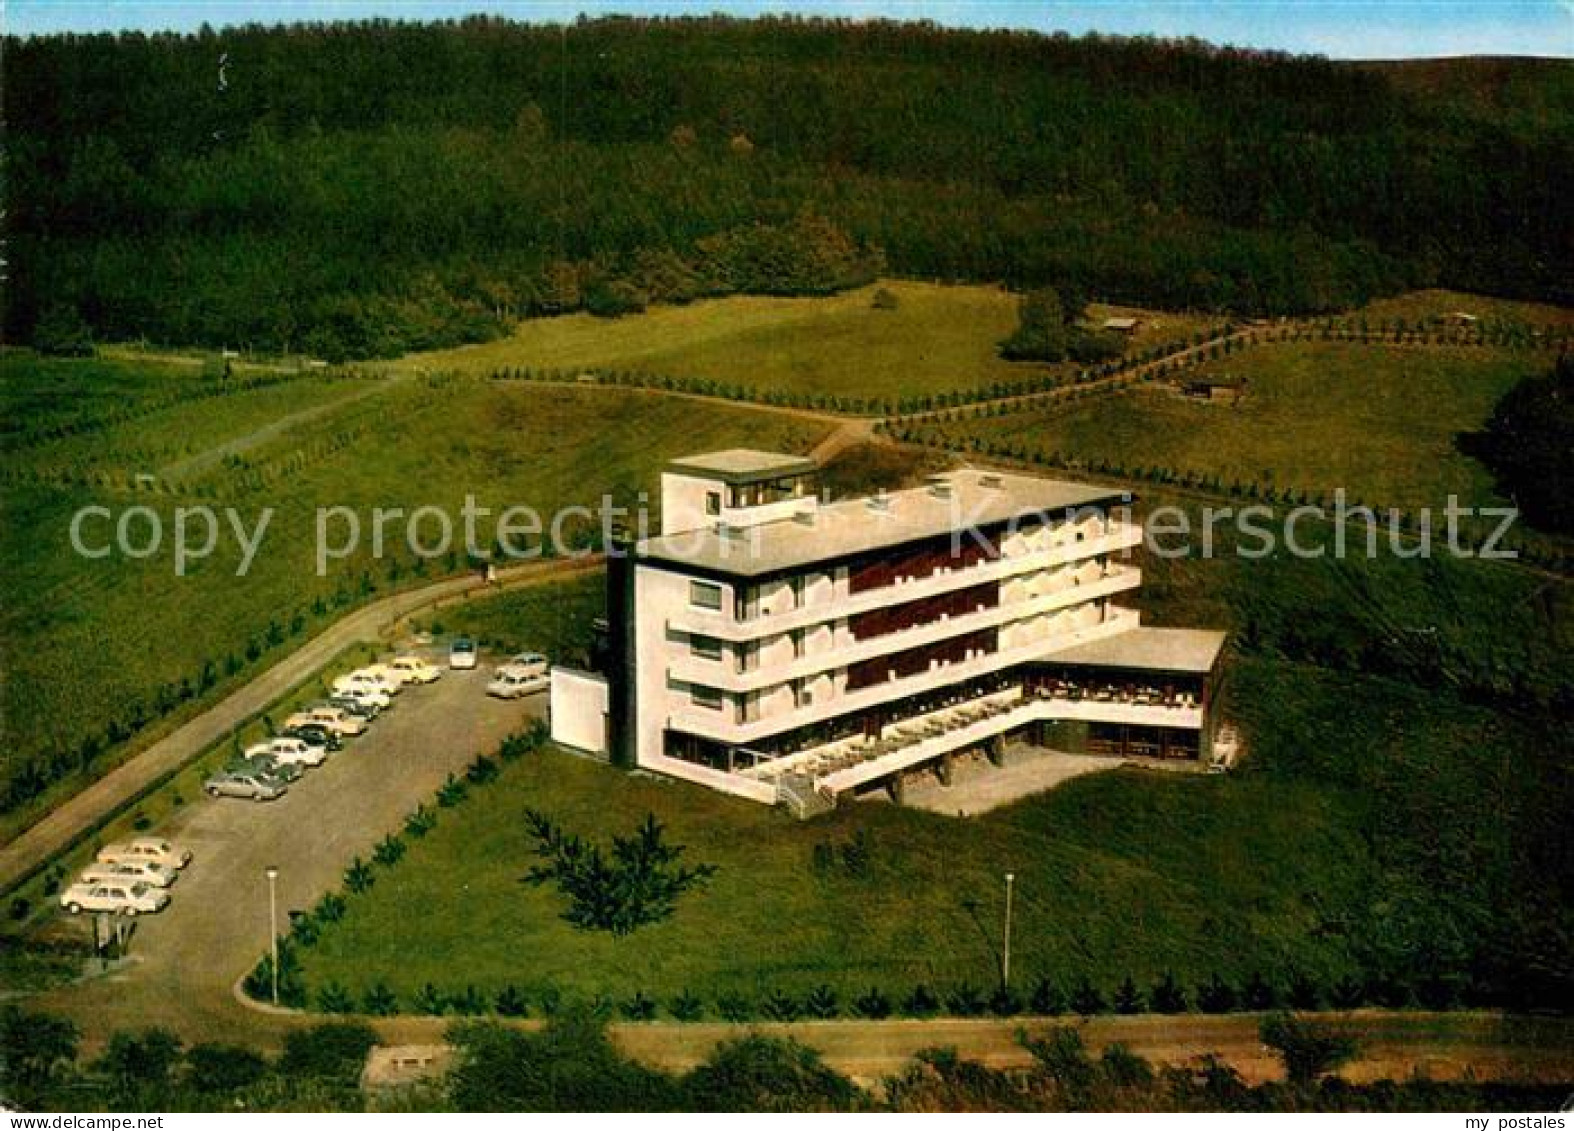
<point>853,405</point>
<point>1044,997</point>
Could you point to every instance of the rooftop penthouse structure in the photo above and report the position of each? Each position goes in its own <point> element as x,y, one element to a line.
<point>785,648</point>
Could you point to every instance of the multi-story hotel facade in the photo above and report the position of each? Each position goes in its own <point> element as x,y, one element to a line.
<point>783,647</point>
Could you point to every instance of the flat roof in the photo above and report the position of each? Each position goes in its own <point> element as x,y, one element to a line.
<point>743,465</point>
<point>854,526</point>
<point>1191,650</point>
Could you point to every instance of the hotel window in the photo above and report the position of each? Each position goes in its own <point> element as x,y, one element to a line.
<point>707,697</point>
<point>712,502</point>
<point>704,595</point>
<point>705,647</point>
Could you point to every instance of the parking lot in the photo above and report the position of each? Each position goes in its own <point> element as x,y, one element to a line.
<point>186,959</point>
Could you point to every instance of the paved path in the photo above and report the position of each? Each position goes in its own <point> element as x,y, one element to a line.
<point>86,810</point>
<point>186,959</point>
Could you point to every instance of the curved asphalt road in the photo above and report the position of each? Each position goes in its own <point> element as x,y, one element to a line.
<point>84,811</point>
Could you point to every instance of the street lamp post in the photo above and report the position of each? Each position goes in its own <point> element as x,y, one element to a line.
<point>1005,950</point>
<point>272,872</point>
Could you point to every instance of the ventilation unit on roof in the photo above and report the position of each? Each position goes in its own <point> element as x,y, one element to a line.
<point>990,481</point>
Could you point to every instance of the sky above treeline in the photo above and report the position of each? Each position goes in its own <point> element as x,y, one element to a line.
<point>1340,29</point>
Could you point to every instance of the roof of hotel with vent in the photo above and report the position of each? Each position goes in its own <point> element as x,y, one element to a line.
<point>976,500</point>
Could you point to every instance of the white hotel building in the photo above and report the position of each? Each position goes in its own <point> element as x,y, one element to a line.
<point>783,648</point>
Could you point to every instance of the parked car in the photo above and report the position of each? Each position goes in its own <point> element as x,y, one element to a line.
<point>461,655</point>
<point>367,683</point>
<point>118,897</point>
<point>526,663</point>
<point>138,871</point>
<point>364,706</point>
<point>511,684</point>
<point>265,763</point>
<point>314,734</point>
<point>247,783</point>
<point>335,719</point>
<point>289,752</point>
<point>145,848</point>
<point>414,669</point>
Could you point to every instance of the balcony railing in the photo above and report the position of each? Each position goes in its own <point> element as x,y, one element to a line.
<point>717,726</point>
<point>720,675</point>
<point>1121,536</point>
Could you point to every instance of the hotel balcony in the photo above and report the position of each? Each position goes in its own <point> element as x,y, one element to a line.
<point>723,626</point>
<point>724,677</point>
<point>717,725</point>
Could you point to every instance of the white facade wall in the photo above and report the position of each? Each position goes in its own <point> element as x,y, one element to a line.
<point>578,710</point>
<point>683,502</point>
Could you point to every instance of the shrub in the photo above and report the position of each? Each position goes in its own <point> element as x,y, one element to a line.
<point>686,1007</point>
<point>638,1008</point>
<point>1308,1051</point>
<point>334,1052</point>
<point>735,1008</point>
<point>359,877</point>
<point>1086,999</point>
<point>421,822</point>
<point>822,1003</point>
<point>1047,1000</point>
<point>334,998</point>
<point>1005,1002</point>
<point>780,1006</point>
<point>1128,999</point>
<point>430,1000</point>
<point>388,851</point>
<point>921,1002</point>
<point>1168,996</point>
<point>222,1068</point>
<point>380,1001</point>
<point>872,1004</point>
<point>470,1002</point>
<point>510,1002</point>
<point>451,792</point>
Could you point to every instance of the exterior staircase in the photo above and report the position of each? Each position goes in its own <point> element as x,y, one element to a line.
<point>798,794</point>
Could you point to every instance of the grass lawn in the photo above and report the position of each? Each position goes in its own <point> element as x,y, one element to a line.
<point>1383,831</point>
<point>1379,421</point>
<point>1417,306</point>
<point>86,641</point>
<point>938,338</point>
<point>1123,873</point>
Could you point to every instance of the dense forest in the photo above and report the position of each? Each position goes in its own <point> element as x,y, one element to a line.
<point>364,188</point>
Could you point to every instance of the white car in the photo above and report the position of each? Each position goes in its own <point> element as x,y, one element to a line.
<point>362,701</point>
<point>461,655</point>
<point>526,663</point>
<point>513,684</point>
<point>289,752</point>
<point>364,682</point>
<point>141,871</point>
<point>336,719</point>
<point>119,897</point>
<point>413,669</point>
<point>145,848</point>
